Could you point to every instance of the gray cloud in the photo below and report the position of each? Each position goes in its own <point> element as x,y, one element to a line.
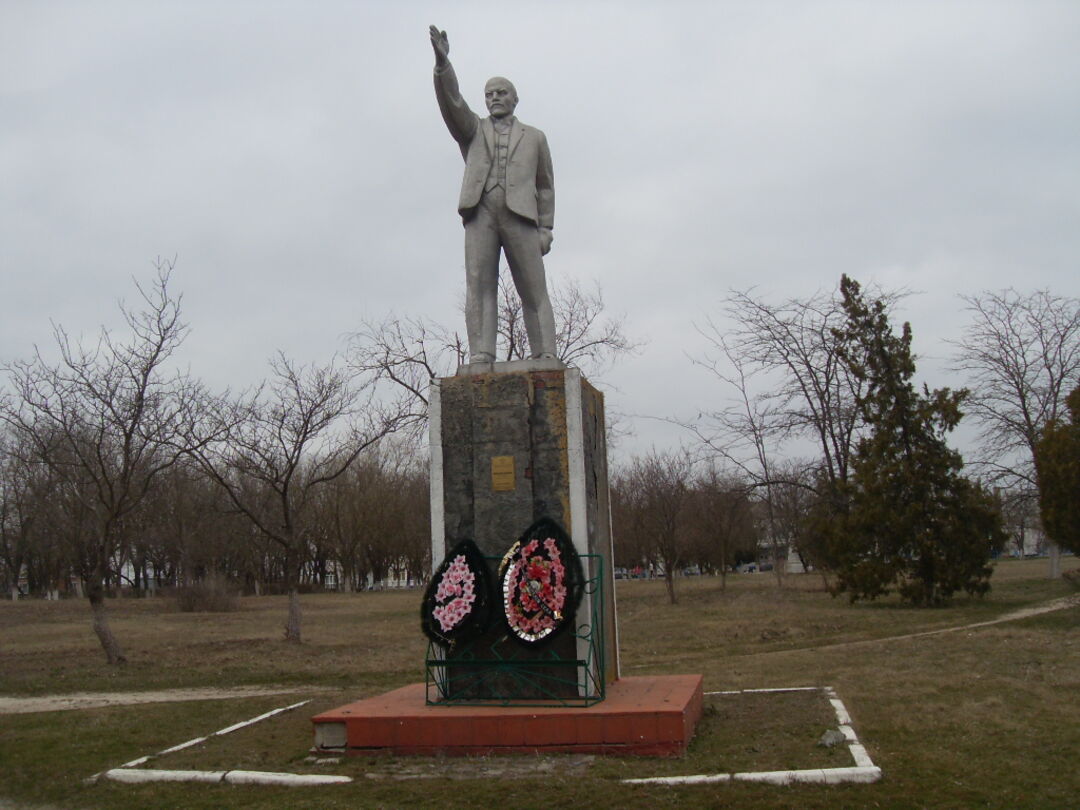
<point>293,157</point>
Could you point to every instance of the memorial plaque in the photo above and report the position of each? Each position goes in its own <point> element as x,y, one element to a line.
<point>502,473</point>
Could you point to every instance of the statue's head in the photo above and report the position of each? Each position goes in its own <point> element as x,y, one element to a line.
<point>500,97</point>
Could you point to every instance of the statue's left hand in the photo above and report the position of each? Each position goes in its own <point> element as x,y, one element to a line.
<point>546,238</point>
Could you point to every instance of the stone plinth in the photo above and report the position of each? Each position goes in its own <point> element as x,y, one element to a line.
<point>514,442</point>
<point>645,716</point>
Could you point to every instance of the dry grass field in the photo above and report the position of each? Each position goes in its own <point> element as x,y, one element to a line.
<point>980,717</point>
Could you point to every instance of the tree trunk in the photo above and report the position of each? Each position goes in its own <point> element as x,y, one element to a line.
<point>777,572</point>
<point>292,576</point>
<point>1055,561</point>
<point>824,578</point>
<point>346,583</point>
<point>113,653</point>
<point>292,627</point>
<point>669,581</point>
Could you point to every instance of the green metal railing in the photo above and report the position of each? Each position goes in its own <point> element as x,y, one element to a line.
<point>502,672</point>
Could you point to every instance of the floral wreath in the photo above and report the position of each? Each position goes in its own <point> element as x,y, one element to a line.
<point>542,583</point>
<point>455,605</point>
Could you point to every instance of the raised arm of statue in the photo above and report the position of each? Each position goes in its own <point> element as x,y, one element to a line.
<point>460,120</point>
<point>441,45</point>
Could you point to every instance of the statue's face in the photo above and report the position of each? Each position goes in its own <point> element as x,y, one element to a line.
<point>500,97</point>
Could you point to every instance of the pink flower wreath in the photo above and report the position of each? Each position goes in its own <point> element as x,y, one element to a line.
<point>456,601</point>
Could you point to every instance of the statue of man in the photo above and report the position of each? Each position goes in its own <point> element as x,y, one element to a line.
<point>507,204</point>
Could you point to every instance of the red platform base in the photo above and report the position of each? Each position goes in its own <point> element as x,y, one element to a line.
<point>644,716</point>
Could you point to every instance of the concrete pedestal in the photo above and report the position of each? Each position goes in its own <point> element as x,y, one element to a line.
<point>514,442</point>
<point>511,443</point>
<point>653,715</point>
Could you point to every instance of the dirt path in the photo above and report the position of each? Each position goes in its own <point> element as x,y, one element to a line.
<point>95,700</point>
<point>1047,607</point>
<point>1024,613</point>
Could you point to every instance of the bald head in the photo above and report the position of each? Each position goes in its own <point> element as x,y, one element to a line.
<point>500,95</point>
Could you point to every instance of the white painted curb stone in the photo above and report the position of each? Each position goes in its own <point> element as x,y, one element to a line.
<point>131,774</point>
<point>864,771</point>
<point>139,776</point>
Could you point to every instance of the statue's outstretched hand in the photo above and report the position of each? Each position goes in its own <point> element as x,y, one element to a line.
<point>441,45</point>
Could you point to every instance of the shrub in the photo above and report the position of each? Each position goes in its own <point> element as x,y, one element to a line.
<point>212,594</point>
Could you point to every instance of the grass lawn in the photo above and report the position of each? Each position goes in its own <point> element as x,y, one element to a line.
<point>984,717</point>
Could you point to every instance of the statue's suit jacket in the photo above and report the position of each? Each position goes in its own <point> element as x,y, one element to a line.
<point>530,182</point>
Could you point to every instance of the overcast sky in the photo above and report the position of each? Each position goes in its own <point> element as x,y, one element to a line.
<point>292,156</point>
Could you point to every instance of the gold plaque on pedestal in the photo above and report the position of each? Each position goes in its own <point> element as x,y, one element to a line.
<point>502,473</point>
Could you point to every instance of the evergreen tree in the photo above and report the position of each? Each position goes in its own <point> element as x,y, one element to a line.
<point>1058,464</point>
<point>905,517</point>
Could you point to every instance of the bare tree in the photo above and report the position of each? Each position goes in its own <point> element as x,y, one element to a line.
<point>512,340</point>
<point>1021,354</point>
<point>748,433</point>
<point>720,518</point>
<point>414,503</point>
<point>182,533</point>
<point>1019,507</point>
<point>300,431</point>
<point>342,510</point>
<point>584,337</point>
<point>106,420</point>
<point>409,353</point>
<point>628,543</point>
<point>375,518</point>
<point>18,499</point>
<point>656,494</point>
<point>793,495</point>
<point>790,383</point>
